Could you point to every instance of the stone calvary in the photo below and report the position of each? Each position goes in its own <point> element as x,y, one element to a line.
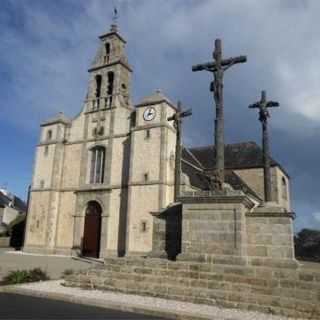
<point>208,224</point>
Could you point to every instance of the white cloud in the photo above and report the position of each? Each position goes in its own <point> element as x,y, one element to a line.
<point>48,61</point>
<point>316,215</point>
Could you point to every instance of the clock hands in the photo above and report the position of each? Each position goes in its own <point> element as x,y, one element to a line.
<point>149,113</point>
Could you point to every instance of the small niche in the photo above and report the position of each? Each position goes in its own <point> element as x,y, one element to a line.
<point>101,131</point>
<point>49,134</point>
<point>144,226</point>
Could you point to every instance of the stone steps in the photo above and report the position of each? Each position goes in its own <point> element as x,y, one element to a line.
<point>284,291</point>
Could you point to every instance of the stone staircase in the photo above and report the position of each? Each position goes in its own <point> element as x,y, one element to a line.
<point>278,290</point>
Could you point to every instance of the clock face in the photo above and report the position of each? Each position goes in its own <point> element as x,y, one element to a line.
<point>149,114</point>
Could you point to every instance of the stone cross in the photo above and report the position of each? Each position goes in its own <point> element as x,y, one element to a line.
<point>177,122</point>
<point>263,106</point>
<point>217,68</point>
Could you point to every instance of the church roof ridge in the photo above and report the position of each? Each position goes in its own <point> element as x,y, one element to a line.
<point>60,117</point>
<point>240,155</point>
<point>253,143</point>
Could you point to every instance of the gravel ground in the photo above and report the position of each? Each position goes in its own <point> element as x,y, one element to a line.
<point>107,299</point>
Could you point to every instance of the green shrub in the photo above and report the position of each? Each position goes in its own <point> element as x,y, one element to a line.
<point>22,276</point>
<point>15,277</point>
<point>38,275</point>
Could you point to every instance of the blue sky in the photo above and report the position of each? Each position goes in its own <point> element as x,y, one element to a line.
<point>47,46</point>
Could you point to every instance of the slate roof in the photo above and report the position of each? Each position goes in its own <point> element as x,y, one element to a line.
<point>58,118</point>
<point>197,162</point>
<point>200,180</point>
<point>188,156</point>
<point>17,203</point>
<point>196,177</point>
<point>237,156</point>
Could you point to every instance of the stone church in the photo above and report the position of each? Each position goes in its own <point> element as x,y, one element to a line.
<point>99,177</point>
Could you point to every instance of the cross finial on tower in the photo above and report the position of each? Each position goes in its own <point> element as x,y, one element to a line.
<point>114,25</point>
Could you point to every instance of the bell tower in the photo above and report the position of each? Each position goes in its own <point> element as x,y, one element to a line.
<point>106,119</point>
<point>109,73</point>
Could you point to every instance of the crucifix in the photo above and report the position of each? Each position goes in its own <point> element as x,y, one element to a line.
<point>263,106</point>
<point>218,67</point>
<point>177,122</point>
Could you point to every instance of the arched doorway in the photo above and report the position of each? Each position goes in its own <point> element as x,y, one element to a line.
<point>92,230</point>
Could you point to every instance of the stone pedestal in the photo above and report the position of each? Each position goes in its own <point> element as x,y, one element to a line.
<point>270,234</point>
<point>214,228</point>
<point>166,240</point>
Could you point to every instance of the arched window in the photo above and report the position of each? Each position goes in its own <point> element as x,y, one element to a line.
<point>107,47</point>
<point>49,135</point>
<point>46,150</point>
<point>284,189</point>
<point>97,164</point>
<point>98,85</point>
<point>110,87</point>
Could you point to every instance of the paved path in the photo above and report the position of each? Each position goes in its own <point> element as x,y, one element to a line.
<point>53,265</point>
<point>41,308</point>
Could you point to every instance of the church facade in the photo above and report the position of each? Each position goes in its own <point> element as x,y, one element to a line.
<point>98,177</point>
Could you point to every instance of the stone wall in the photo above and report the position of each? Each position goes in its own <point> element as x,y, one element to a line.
<point>278,290</point>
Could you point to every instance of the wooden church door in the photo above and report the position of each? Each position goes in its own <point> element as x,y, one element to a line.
<point>92,230</point>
